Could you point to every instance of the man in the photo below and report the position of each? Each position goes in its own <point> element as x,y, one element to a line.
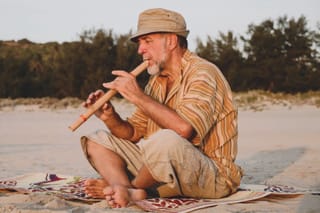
<point>182,138</point>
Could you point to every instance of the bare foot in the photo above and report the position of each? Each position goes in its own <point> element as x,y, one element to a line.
<point>94,187</point>
<point>119,196</point>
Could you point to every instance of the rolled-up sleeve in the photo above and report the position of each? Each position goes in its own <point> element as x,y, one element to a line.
<point>139,122</point>
<point>198,104</point>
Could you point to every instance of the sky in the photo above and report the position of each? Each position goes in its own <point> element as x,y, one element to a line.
<point>64,20</point>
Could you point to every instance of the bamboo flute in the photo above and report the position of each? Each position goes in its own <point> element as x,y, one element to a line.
<point>106,97</point>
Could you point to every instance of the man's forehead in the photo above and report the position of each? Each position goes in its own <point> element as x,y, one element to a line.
<point>150,35</point>
<point>155,35</point>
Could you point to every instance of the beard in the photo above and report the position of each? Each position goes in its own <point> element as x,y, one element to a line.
<point>159,65</point>
<point>154,69</point>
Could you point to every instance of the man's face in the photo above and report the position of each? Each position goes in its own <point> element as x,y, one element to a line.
<point>153,47</point>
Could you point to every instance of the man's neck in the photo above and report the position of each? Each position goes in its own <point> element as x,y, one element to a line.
<point>173,66</point>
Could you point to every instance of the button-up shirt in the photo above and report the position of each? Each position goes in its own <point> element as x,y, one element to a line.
<point>202,96</point>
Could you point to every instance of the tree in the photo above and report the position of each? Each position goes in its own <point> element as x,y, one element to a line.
<point>279,56</point>
<point>281,53</point>
<point>225,54</point>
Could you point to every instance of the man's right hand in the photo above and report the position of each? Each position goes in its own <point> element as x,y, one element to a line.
<point>105,111</point>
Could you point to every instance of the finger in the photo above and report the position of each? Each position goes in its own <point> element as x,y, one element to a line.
<point>105,106</point>
<point>88,101</point>
<point>98,93</point>
<point>107,85</point>
<point>120,73</point>
<point>91,98</point>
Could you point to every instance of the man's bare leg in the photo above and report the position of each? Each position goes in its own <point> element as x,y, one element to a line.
<point>144,179</point>
<point>109,165</point>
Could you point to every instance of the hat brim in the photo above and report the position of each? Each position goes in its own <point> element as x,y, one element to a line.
<point>135,36</point>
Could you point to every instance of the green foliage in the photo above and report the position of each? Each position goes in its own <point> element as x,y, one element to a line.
<point>277,56</point>
<point>224,53</point>
<point>281,56</point>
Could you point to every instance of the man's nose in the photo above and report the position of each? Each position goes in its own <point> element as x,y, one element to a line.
<point>141,49</point>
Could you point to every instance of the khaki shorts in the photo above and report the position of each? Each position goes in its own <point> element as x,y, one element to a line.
<point>179,167</point>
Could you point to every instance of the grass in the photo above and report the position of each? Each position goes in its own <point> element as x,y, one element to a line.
<point>259,100</point>
<point>256,100</point>
<point>42,103</point>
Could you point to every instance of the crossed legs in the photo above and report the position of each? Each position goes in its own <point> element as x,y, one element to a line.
<point>181,168</point>
<point>115,185</point>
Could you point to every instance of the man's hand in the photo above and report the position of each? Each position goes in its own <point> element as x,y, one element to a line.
<point>105,111</point>
<point>126,84</point>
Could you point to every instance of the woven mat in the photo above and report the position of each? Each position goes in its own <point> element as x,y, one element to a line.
<point>70,188</point>
<point>65,186</point>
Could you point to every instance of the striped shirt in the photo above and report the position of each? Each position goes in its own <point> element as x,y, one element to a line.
<point>202,96</point>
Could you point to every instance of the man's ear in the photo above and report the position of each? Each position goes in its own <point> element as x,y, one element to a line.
<point>172,41</point>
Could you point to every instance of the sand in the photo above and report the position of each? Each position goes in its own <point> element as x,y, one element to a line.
<point>278,145</point>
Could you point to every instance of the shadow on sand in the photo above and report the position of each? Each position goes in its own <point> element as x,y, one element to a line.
<point>267,164</point>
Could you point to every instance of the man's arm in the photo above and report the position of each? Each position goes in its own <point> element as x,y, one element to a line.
<point>165,117</point>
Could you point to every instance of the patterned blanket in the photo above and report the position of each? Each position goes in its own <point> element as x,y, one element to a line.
<point>65,186</point>
<point>70,188</point>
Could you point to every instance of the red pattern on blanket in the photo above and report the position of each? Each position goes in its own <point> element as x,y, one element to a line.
<point>67,187</point>
<point>71,188</point>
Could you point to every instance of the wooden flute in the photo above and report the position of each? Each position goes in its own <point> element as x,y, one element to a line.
<point>106,97</point>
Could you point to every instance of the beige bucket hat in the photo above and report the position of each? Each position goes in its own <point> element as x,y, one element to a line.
<point>160,20</point>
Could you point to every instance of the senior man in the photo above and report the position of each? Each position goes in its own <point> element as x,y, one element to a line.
<point>182,138</point>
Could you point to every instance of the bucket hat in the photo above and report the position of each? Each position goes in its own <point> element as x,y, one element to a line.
<point>160,20</point>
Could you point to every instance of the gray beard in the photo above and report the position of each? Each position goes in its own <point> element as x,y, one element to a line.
<point>154,70</point>
<point>157,68</point>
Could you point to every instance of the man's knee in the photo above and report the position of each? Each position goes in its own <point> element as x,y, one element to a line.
<point>164,141</point>
<point>91,146</point>
<point>93,141</point>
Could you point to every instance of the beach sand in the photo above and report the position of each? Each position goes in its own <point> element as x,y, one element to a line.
<point>278,145</point>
